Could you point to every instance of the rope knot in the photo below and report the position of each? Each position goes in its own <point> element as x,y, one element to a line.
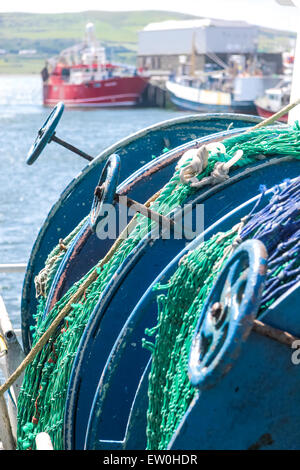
<point>199,160</point>
<point>219,173</point>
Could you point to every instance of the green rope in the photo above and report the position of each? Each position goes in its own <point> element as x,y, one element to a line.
<point>45,277</point>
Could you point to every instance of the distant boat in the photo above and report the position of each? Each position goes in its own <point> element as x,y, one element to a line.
<point>274,100</point>
<point>218,93</point>
<point>81,77</point>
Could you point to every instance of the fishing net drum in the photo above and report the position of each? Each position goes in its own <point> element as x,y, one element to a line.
<point>96,305</point>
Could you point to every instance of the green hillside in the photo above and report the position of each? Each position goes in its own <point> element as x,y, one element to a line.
<point>118,31</point>
<point>50,33</point>
<point>110,26</point>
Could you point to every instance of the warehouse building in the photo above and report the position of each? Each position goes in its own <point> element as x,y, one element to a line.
<point>167,46</point>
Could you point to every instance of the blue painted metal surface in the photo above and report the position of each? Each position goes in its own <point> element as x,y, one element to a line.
<point>134,151</point>
<point>129,284</point>
<point>119,375</point>
<point>86,248</point>
<point>45,133</point>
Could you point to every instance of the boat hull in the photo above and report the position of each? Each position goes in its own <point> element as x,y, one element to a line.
<point>202,100</point>
<point>265,113</point>
<point>113,92</point>
<point>235,107</point>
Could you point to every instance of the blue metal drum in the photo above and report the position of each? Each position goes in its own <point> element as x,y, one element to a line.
<point>119,374</point>
<point>75,202</point>
<point>121,295</point>
<point>118,416</point>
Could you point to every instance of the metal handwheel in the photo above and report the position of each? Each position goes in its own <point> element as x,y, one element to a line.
<point>228,314</point>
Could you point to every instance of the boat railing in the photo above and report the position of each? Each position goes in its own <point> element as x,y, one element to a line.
<point>13,268</point>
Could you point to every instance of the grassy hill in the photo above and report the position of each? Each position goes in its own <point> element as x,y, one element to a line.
<point>50,33</point>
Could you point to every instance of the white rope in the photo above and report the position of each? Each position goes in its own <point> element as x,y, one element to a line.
<point>199,160</point>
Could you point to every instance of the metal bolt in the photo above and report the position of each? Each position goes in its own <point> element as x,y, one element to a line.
<point>216,311</point>
<point>99,191</point>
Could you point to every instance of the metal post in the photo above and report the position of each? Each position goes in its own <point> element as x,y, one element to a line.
<point>13,268</point>
<point>71,148</point>
<point>6,436</point>
<point>15,354</point>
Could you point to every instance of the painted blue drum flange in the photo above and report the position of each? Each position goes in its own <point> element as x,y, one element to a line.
<point>86,244</point>
<point>256,405</point>
<point>123,291</point>
<point>134,149</point>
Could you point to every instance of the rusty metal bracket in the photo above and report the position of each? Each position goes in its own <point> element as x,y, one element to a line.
<point>282,337</point>
<point>142,209</point>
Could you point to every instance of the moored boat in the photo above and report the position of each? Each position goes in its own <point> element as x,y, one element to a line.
<point>81,77</point>
<point>273,100</point>
<point>223,94</point>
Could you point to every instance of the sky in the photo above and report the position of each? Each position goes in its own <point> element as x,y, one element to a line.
<point>263,12</point>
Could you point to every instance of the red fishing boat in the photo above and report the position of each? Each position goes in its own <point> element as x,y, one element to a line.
<point>81,77</point>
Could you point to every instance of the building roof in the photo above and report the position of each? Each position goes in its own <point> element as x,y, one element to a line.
<point>197,23</point>
<point>206,35</point>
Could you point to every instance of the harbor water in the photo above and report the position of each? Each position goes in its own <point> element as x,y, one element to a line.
<point>27,193</point>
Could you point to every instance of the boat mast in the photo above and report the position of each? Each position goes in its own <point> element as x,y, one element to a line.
<point>193,55</point>
<point>90,41</point>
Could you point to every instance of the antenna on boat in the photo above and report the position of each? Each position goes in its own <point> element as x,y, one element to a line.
<point>193,55</point>
<point>90,33</point>
<point>46,134</point>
